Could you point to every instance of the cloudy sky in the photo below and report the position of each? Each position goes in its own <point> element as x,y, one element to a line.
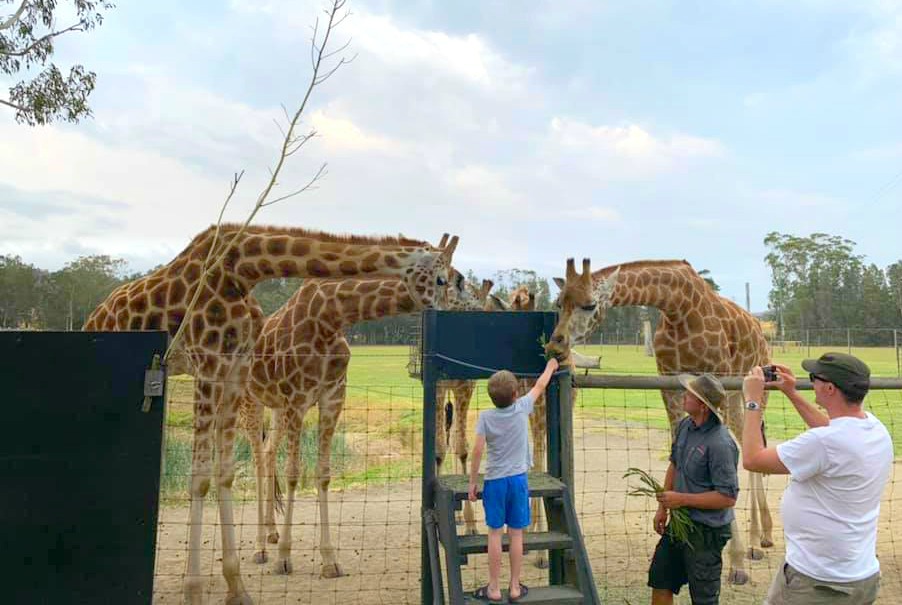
<point>533,130</point>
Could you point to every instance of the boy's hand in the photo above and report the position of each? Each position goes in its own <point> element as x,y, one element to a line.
<point>670,499</point>
<point>553,364</point>
<point>472,492</point>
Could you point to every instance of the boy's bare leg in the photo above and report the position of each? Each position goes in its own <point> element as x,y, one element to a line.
<point>494,562</point>
<point>516,554</point>
<point>661,596</point>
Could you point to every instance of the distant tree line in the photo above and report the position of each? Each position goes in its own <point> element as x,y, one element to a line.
<point>819,284</point>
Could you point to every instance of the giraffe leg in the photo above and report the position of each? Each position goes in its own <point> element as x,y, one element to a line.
<point>293,425</point>
<point>754,526</point>
<point>537,424</point>
<point>272,492</point>
<point>441,436</point>
<point>251,415</point>
<point>330,409</point>
<point>738,574</point>
<point>461,447</point>
<point>201,474</point>
<point>225,435</point>
<point>767,522</point>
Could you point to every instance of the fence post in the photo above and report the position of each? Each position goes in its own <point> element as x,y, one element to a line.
<point>849,340</point>
<point>896,347</point>
<point>808,341</point>
<point>428,370</point>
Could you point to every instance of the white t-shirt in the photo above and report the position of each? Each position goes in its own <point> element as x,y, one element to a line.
<point>506,433</point>
<point>831,506</point>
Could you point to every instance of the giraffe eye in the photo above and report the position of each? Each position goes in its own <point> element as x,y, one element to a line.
<point>441,281</point>
<point>590,308</point>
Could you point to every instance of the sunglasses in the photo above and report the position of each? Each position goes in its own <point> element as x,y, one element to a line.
<point>813,377</point>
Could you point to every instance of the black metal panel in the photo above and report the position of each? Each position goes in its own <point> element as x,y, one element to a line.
<point>473,344</point>
<point>79,466</point>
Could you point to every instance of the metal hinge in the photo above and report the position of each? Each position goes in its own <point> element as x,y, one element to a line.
<point>153,382</point>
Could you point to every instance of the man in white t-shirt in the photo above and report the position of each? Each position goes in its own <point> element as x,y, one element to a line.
<point>838,469</point>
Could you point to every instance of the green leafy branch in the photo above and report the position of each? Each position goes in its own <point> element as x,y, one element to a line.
<point>681,526</point>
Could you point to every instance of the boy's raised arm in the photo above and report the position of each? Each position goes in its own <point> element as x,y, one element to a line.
<point>543,380</point>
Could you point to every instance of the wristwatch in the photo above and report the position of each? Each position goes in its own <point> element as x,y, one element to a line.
<point>752,406</point>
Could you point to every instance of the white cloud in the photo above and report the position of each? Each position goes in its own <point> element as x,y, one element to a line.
<point>341,134</point>
<point>781,200</point>
<point>629,151</point>
<point>602,214</point>
<point>482,187</point>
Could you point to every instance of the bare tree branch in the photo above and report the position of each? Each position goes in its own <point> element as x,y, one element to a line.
<point>291,143</point>
<point>320,173</point>
<point>78,27</point>
<point>13,105</point>
<point>15,16</point>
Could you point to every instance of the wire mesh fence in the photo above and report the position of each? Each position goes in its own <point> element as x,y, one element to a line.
<point>374,492</point>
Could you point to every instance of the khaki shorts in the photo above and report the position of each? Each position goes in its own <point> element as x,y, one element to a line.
<point>791,587</point>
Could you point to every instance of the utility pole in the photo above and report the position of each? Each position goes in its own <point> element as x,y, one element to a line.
<point>748,298</point>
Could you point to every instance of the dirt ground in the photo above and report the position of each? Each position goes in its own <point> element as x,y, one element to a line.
<point>377,532</point>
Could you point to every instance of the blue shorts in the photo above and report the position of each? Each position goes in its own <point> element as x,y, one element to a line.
<point>506,502</point>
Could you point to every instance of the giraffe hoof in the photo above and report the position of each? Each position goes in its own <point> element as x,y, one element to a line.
<point>738,577</point>
<point>260,557</point>
<point>331,571</point>
<point>283,567</point>
<point>273,537</point>
<point>766,543</point>
<point>241,599</point>
<point>755,555</point>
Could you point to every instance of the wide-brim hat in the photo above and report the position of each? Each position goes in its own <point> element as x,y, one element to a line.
<point>707,388</point>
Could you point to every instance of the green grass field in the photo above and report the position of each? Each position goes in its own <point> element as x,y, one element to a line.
<point>379,436</point>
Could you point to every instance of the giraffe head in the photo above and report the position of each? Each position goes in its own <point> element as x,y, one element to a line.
<point>582,304</point>
<point>522,299</point>
<point>430,280</point>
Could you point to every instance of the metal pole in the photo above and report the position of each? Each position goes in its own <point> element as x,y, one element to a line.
<point>849,340</point>
<point>427,495</point>
<point>808,341</point>
<point>896,347</point>
<point>748,298</point>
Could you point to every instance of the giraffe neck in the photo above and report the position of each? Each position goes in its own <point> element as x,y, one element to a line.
<point>669,286</point>
<point>262,253</point>
<point>362,300</point>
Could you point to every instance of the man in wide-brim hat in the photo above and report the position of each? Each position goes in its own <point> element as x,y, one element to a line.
<point>702,478</point>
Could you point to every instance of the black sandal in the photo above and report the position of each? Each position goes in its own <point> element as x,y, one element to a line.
<point>482,593</point>
<point>524,590</point>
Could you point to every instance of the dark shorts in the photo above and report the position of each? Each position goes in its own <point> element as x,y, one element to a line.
<point>675,564</point>
<point>506,502</point>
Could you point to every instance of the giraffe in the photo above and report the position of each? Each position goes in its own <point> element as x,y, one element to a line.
<point>301,360</point>
<point>222,331</point>
<point>699,331</point>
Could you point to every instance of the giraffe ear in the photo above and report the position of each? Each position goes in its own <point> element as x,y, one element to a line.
<point>444,241</point>
<point>559,282</point>
<point>448,251</point>
<point>486,288</point>
<point>498,303</point>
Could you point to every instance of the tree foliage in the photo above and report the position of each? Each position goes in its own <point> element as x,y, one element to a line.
<point>820,283</point>
<point>27,37</point>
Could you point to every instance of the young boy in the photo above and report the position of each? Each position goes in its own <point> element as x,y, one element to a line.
<point>505,494</point>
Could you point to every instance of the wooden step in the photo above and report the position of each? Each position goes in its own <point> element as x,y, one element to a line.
<point>540,485</point>
<point>536,540</point>
<point>559,595</point>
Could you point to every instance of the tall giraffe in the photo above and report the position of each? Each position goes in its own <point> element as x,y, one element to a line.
<point>223,328</point>
<point>301,360</point>
<point>699,331</point>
